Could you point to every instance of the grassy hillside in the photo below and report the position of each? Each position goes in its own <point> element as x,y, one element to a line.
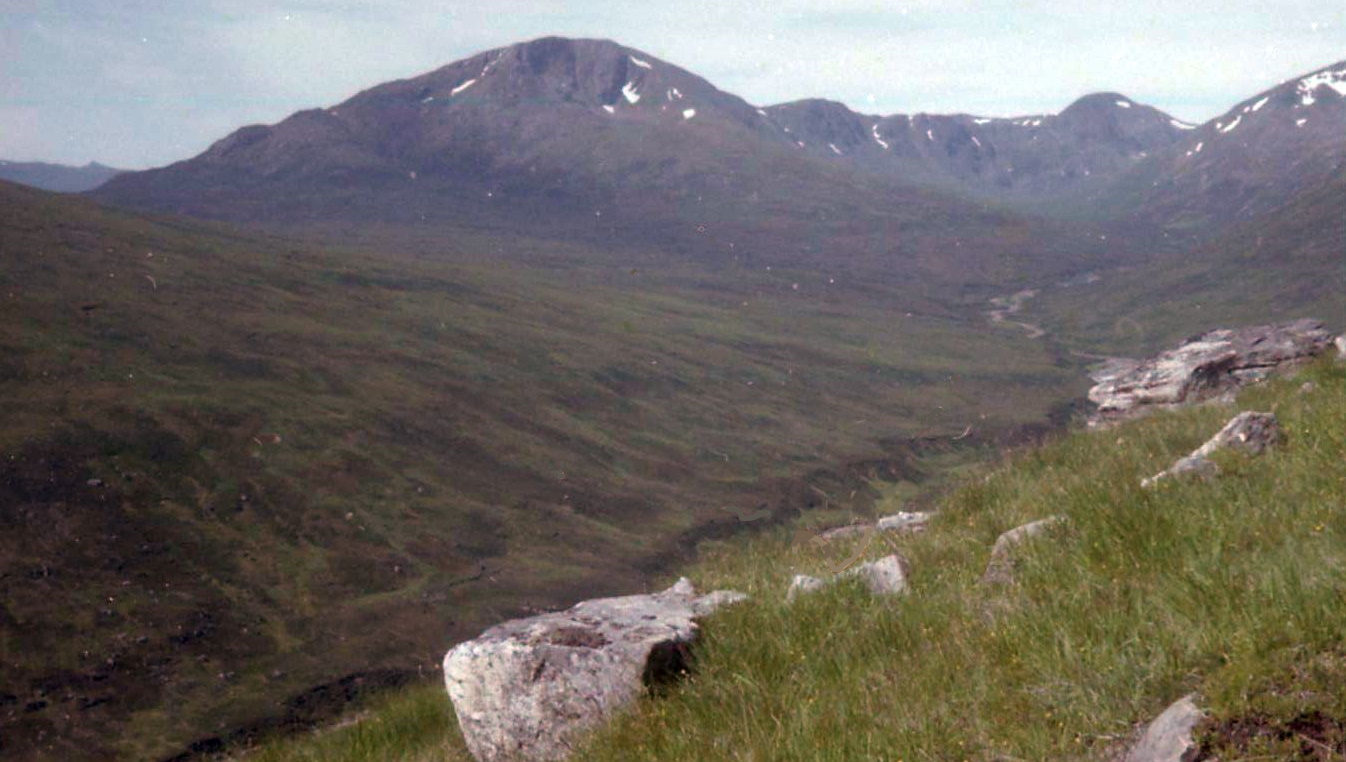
<point>236,468</point>
<point>1287,264</point>
<point>1231,587</point>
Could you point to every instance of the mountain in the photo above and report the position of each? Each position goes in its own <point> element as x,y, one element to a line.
<point>1248,161</point>
<point>1096,138</point>
<point>57,177</point>
<point>590,140</point>
<point>241,476</point>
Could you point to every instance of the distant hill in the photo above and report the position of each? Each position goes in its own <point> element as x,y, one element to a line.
<point>1249,161</point>
<point>589,139</point>
<point>592,138</point>
<point>57,177</point>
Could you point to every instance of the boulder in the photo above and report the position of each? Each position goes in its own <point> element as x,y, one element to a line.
<point>886,576</point>
<point>1203,366</point>
<point>1340,343</point>
<point>1000,569</point>
<point>530,689</point>
<point>1250,432</point>
<point>1169,737</point>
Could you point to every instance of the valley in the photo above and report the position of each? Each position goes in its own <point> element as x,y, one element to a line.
<point>289,417</point>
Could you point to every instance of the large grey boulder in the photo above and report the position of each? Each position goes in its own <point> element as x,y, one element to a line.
<point>529,689</point>
<point>1169,737</point>
<point>1340,343</point>
<point>1203,366</point>
<point>886,576</point>
<point>1250,432</point>
<point>1000,569</point>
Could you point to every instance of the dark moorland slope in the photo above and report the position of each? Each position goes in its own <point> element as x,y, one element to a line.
<point>235,468</point>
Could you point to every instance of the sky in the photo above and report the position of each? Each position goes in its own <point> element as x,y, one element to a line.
<point>141,83</point>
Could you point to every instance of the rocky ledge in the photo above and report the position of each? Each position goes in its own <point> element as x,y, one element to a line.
<point>1204,366</point>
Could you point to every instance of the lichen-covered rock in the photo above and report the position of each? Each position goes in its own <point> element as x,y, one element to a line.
<point>1000,569</point>
<point>529,689</point>
<point>886,576</point>
<point>1203,366</point>
<point>1169,737</point>
<point>1250,432</point>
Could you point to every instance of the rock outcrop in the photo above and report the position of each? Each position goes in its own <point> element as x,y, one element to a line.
<point>1169,737</point>
<point>1204,366</point>
<point>1000,569</point>
<point>1250,432</point>
<point>886,576</point>
<point>529,689</point>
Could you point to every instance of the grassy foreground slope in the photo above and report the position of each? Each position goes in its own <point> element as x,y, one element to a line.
<point>1233,587</point>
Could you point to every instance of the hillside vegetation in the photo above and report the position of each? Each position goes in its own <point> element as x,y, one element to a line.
<point>236,468</point>
<point>1232,587</point>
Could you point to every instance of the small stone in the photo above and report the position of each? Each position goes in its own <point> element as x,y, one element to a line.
<point>886,576</point>
<point>803,583</point>
<point>1250,432</point>
<point>1000,569</point>
<point>903,522</point>
<point>1169,737</point>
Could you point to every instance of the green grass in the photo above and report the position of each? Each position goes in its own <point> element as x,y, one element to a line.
<point>1233,587</point>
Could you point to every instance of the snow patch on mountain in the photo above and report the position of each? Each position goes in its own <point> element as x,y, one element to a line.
<point>875,130</point>
<point>463,87</point>
<point>689,113</point>
<point>640,63</point>
<point>1182,125</point>
<point>1230,127</point>
<point>1123,104</point>
<point>1309,85</point>
<point>629,91</point>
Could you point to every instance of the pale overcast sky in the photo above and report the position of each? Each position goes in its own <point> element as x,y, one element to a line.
<point>139,83</point>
